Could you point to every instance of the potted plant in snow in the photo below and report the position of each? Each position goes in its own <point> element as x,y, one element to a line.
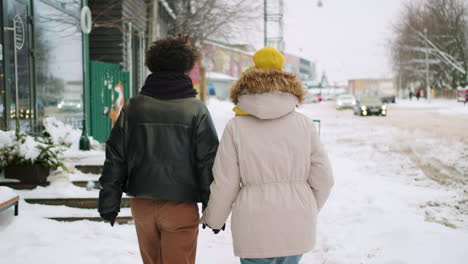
<point>28,159</point>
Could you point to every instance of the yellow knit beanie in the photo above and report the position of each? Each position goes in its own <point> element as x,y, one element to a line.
<point>268,58</point>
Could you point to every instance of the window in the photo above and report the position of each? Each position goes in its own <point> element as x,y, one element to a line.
<point>59,74</point>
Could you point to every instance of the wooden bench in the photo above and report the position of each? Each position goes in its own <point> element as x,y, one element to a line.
<point>12,202</point>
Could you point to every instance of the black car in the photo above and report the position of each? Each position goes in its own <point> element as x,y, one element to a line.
<point>388,99</point>
<point>367,105</point>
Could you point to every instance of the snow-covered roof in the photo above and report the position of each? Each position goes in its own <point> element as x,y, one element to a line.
<point>219,76</point>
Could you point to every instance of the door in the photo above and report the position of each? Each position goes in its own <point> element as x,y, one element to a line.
<point>17,65</point>
<point>109,92</point>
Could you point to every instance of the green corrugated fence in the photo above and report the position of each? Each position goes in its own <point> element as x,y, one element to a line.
<point>109,91</point>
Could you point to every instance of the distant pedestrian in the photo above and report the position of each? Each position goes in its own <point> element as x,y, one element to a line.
<point>466,98</point>
<point>418,94</point>
<point>271,169</point>
<point>160,152</point>
<point>411,95</point>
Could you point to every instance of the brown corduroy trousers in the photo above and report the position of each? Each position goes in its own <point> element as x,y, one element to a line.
<point>167,230</point>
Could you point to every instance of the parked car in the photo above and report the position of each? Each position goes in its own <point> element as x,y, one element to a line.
<point>312,98</point>
<point>388,99</point>
<point>368,105</point>
<point>345,101</point>
<point>70,104</point>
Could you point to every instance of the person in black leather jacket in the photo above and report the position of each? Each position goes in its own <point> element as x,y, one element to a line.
<point>160,152</point>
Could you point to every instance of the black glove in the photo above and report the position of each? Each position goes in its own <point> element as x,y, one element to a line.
<point>110,217</point>
<point>215,231</point>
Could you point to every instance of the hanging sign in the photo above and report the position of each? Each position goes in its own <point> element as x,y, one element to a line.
<point>86,22</point>
<point>19,26</point>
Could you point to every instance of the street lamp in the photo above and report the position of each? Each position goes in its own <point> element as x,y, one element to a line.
<point>86,26</point>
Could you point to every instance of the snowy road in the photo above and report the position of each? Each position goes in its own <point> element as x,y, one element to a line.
<point>401,196</point>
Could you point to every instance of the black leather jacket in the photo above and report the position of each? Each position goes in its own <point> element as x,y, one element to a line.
<point>161,150</point>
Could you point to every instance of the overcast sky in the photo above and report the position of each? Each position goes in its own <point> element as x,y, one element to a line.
<point>347,38</point>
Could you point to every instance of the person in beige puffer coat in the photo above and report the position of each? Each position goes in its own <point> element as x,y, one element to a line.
<point>270,170</point>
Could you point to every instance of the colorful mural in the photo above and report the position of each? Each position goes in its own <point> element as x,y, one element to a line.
<point>232,61</point>
<point>222,59</point>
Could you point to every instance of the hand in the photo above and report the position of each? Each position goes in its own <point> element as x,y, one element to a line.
<point>215,231</point>
<point>110,217</point>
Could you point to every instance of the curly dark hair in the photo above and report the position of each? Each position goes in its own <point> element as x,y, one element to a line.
<point>171,54</point>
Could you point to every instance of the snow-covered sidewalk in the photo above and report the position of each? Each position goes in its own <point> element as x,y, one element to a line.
<point>441,106</point>
<point>383,208</point>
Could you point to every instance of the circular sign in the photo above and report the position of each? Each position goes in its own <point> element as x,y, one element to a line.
<point>19,27</point>
<point>86,23</point>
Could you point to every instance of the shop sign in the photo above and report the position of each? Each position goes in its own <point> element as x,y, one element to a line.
<point>19,26</point>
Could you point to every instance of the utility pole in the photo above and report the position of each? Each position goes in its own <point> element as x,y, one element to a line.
<point>274,14</point>
<point>265,22</point>
<point>428,88</point>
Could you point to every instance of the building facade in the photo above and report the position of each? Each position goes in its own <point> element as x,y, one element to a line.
<point>372,87</point>
<point>41,62</point>
<point>43,54</point>
<point>224,63</point>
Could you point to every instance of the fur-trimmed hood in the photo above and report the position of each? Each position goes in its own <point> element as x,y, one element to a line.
<point>258,81</point>
<point>269,105</point>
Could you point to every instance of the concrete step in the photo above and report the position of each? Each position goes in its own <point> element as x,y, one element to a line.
<point>93,169</point>
<point>89,203</point>
<point>25,186</point>
<point>120,219</point>
<point>86,184</point>
<point>22,186</point>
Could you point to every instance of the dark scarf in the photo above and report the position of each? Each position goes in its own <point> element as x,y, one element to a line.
<point>168,85</point>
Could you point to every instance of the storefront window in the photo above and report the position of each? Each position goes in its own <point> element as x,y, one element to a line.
<point>16,72</point>
<point>2,78</point>
<point>59,74</point>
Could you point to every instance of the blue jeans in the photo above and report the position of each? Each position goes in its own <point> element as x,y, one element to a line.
<point>280,260</point>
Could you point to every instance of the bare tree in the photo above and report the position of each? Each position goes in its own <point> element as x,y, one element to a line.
<point>440,28</point>
<point>67,15</point>
<point>223,20</point>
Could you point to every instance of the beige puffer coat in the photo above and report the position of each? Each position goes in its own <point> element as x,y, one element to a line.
<point>270,170</point>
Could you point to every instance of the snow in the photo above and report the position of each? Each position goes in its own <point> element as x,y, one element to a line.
<point>59,189</point>
<point>63,134</point>
<point>441,106</point>
<point>6,138</point>
<point>6,194</point>
<point>387,206</point>
<point>29,149</point>
<point>80,176</point>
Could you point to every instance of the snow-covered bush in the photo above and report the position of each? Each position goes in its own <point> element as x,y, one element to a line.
<point>65,135</point>
<point>22,149</point>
